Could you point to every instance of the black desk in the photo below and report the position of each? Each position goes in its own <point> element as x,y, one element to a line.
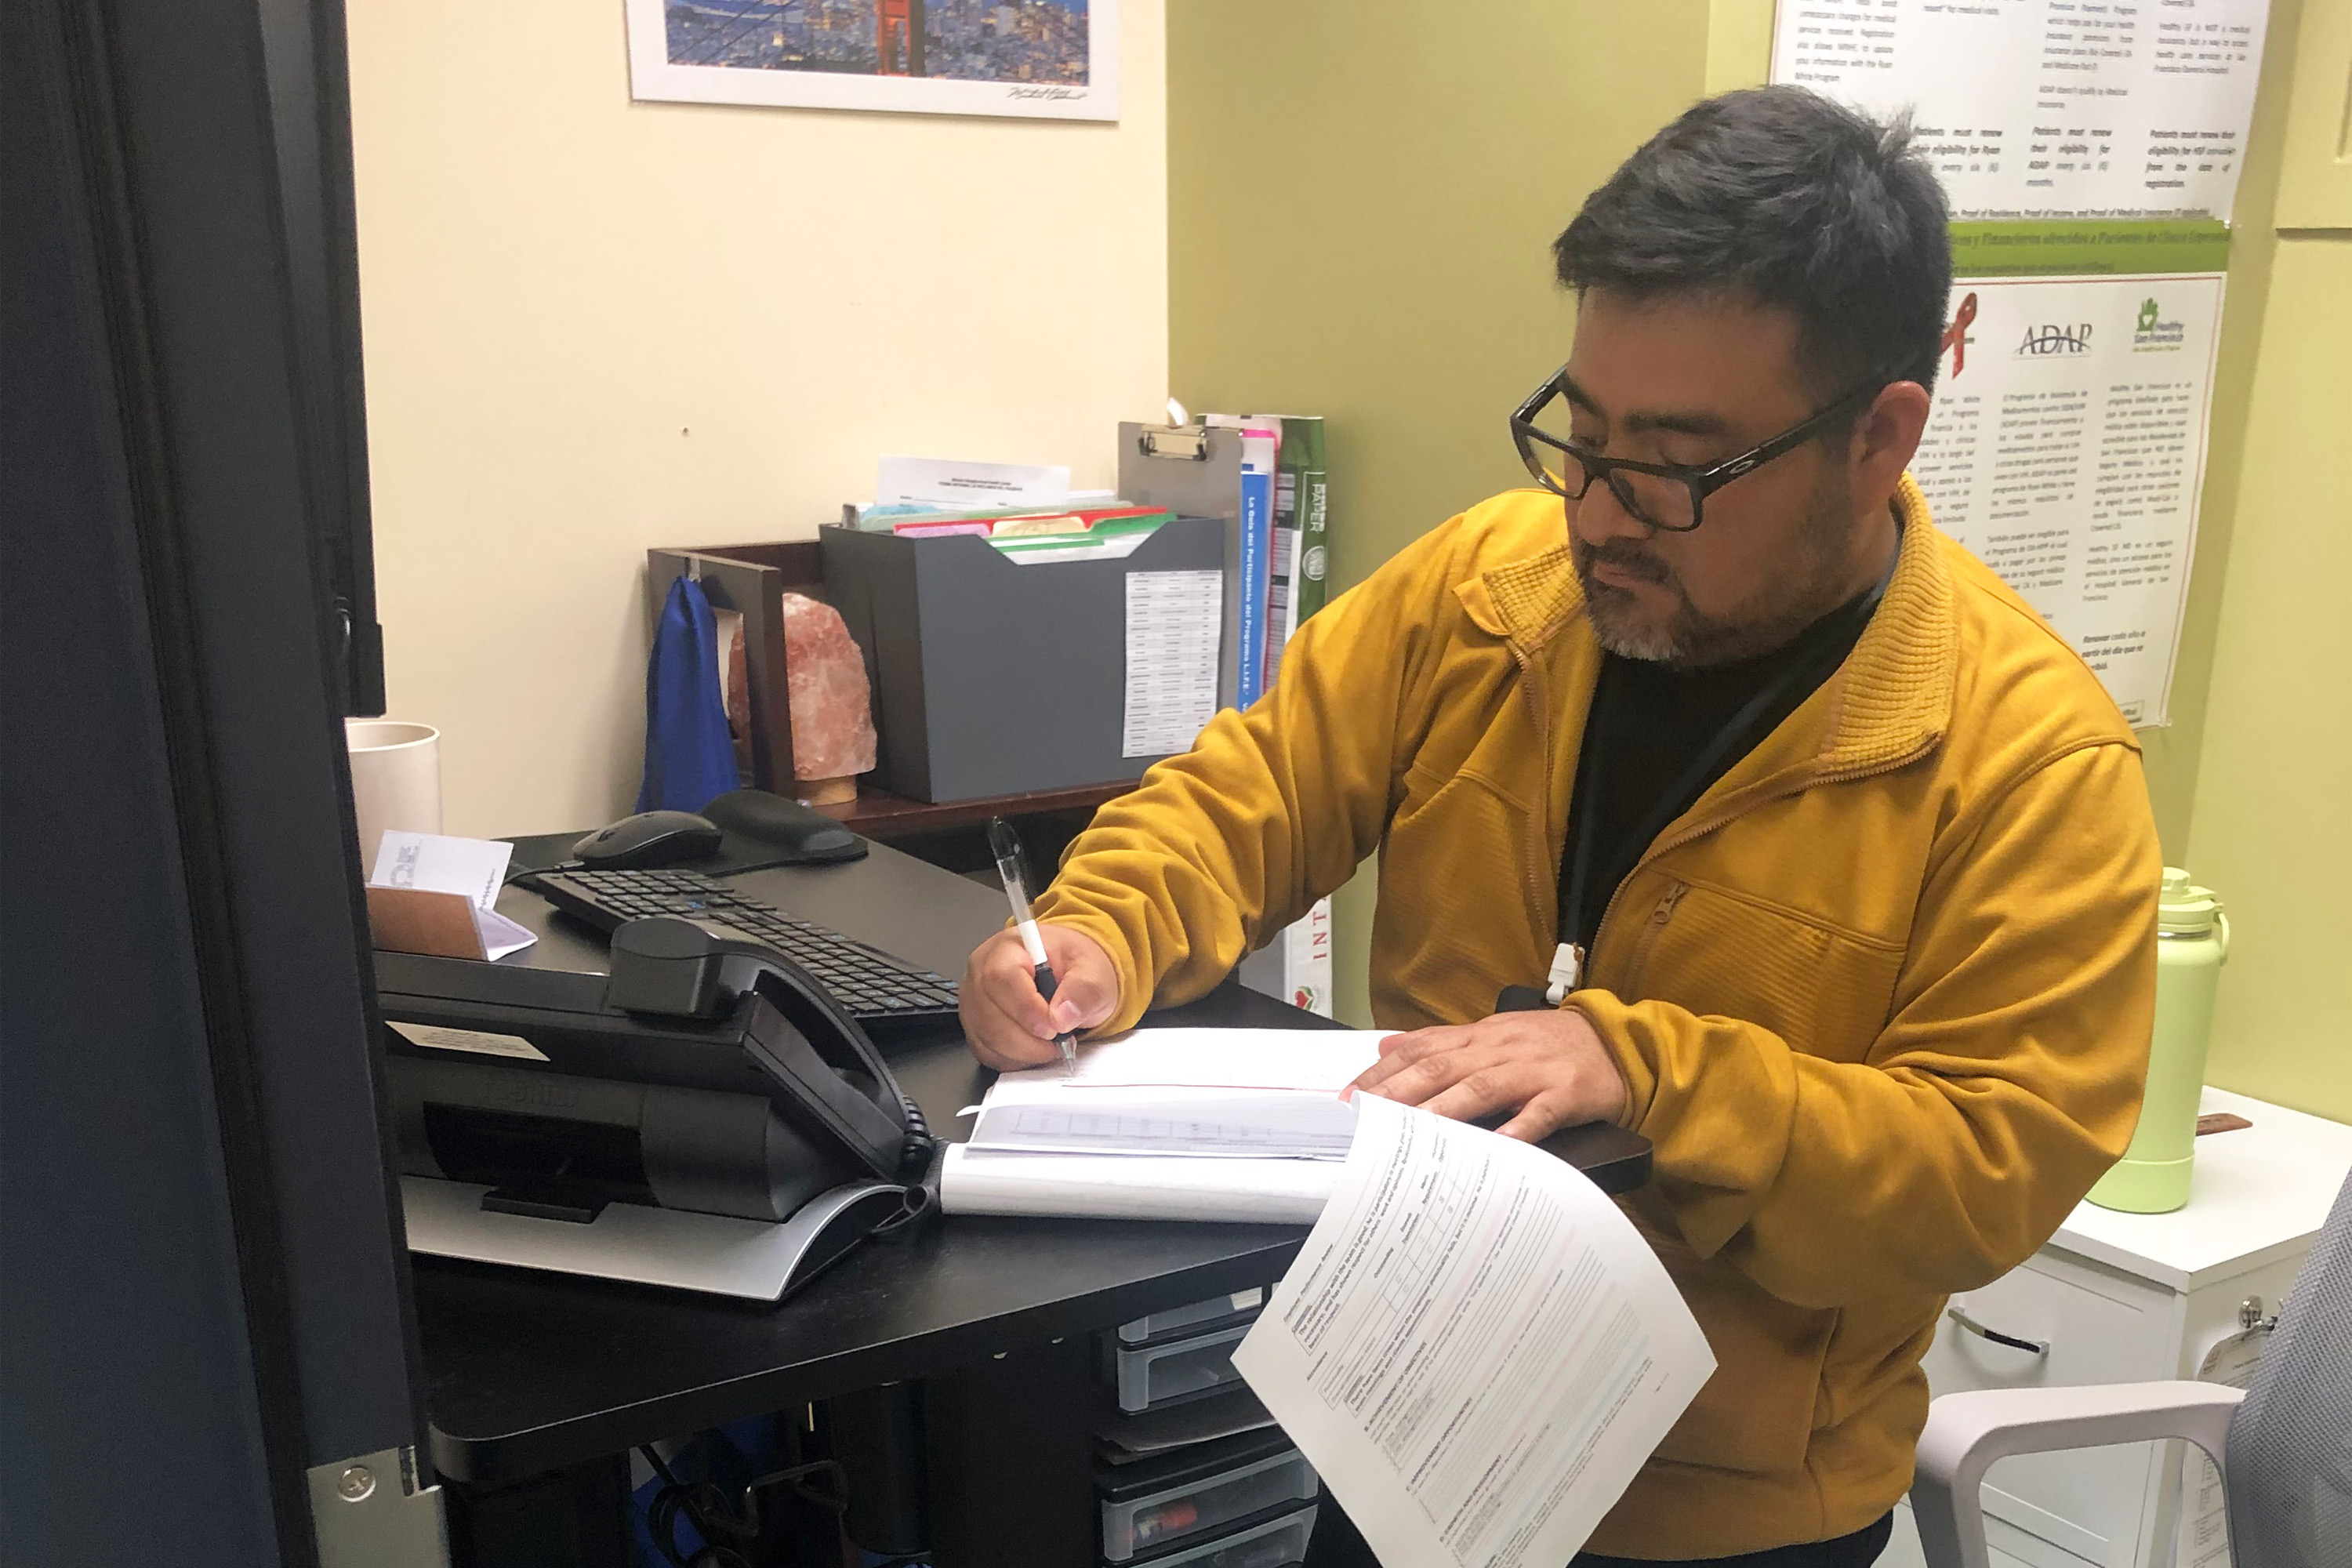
<point>528,1374</point>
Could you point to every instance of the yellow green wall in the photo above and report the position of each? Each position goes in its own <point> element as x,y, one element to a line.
<point>1359,203</point>
<point>2275,781</point>
<point>2253,782</point>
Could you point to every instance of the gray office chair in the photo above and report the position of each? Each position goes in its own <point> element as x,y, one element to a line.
<point>2283,1446</point>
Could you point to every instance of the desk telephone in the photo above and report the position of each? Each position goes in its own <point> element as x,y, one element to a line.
<point>705,1116</point>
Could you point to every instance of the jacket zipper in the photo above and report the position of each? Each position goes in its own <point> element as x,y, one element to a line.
<point>1656,924</point>
<point>1539,824</point>
<point>1659,916</point>
<point>1540,837</point>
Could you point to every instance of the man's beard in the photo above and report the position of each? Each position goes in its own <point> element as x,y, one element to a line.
<point>1808,585</point>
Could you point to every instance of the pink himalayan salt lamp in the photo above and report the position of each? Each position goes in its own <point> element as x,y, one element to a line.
<point>832,715</point>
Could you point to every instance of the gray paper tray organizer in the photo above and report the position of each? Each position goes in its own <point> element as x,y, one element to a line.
<point>990,677</point>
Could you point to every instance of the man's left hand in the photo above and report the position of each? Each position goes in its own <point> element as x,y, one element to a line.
<point>1549,1069</point>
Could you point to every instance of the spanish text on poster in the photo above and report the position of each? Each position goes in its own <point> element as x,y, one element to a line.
<point>2047,110</point>
<point>2066,447</point>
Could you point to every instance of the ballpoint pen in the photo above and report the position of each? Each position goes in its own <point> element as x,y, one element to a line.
<point>1003,843</point>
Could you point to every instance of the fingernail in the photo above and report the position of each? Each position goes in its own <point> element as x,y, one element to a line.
<point>1066,1016</point>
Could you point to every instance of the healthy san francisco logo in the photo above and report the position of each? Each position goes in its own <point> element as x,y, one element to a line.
<point>2151,333</point>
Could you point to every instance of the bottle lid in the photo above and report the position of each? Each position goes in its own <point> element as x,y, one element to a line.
<point>2183,909</point>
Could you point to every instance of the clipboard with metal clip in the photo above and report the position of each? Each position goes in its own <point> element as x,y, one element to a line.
<point>1194,471</point>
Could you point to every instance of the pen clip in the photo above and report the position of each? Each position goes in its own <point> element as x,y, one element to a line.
<point>1005,845</point>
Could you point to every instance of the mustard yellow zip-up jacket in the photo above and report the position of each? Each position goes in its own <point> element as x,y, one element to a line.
<point>1883,995</point>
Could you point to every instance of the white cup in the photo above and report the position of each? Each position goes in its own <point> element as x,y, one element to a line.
<point>395,780</point>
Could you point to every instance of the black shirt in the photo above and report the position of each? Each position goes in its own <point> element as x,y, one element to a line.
<point>1644,760</point>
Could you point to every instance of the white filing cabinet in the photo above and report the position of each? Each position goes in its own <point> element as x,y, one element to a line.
<point>2125,1298</point>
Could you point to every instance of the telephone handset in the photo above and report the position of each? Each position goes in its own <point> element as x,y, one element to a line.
<point>843,1096</point>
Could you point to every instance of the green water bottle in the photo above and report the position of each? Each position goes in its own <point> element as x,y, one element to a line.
<point>2193,937</point>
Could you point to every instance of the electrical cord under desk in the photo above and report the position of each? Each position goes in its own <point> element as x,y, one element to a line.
<point>725,1529</point>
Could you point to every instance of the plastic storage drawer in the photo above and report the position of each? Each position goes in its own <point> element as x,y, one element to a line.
<point>1152,1375</point>
<point>1277,1544</point>
<point>1216,1312</point>
<point>1181,1496</point>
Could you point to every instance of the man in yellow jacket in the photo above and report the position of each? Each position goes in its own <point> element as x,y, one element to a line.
<point>1836,864</point>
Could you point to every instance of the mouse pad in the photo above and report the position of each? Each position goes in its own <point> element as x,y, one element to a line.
<point>741,852</point>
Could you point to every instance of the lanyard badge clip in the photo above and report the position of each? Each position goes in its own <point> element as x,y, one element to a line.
<point>1567,968</point>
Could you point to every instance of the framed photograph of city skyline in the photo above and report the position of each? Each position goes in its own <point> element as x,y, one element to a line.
<point>1049,59</point>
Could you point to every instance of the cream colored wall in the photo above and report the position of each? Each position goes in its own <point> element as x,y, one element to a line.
<point>594,326</point>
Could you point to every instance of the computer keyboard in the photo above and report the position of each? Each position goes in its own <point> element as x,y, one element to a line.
<point>873,985</point>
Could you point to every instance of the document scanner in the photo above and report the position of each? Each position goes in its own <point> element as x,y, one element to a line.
<point>706,1117</point>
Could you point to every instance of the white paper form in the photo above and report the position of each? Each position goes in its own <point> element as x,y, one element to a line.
<point>2202,1529</point>
<point>1176,1123</point>
<point>1324,1060</point>
<point>2085,110</point>
<point>1475,1349</point>
<point>941,481</point>
<point>2067,451</point>
<point>474,868</point>
<point>1197,1123</point>
<point>1130,1186</point>
<point>1215,1094</point>
<point>1175,621</point>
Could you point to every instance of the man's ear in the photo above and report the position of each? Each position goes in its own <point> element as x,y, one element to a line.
<point>1885,438</point>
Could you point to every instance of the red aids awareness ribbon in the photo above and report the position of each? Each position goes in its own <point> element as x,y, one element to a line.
<point>1955,336</point>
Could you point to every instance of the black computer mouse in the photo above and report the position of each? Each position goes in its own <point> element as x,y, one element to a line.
<point>648,838</point>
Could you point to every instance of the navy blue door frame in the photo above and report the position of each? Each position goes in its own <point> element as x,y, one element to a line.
<point>203,1293</point>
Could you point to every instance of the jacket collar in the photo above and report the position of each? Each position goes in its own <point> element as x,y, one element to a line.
<point>1890,700</point>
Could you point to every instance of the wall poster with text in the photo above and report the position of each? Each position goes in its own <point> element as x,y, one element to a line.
<point>2046,111</point>
<point>2066,451</point>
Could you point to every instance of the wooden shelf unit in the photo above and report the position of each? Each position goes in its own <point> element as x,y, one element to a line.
<point>750,579</point>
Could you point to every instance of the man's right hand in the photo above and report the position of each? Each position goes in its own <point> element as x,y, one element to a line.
<point>1008,1023</point>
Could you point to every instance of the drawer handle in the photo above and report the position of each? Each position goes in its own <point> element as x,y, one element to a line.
<point>2039,1347</point>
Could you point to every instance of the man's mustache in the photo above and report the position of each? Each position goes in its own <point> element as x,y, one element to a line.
<point>1619,556</point>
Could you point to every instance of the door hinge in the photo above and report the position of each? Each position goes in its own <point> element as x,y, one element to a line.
<point>370,1512</point>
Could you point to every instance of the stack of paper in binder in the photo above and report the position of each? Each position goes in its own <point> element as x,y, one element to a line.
<point>1283,578</point>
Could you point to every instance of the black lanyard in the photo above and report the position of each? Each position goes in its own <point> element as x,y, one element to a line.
<point>1599,735</point>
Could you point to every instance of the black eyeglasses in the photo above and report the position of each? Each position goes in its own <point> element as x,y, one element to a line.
<point>1666,496</point>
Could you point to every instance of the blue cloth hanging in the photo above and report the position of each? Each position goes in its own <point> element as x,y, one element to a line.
<point>689,760</point>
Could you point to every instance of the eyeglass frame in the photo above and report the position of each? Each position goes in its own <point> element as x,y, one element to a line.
<point>1701,482</point>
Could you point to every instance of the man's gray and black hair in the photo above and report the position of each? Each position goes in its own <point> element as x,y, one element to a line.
<point>1777,195</point>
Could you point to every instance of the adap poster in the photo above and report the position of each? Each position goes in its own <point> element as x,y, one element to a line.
<point>2066,449</point>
